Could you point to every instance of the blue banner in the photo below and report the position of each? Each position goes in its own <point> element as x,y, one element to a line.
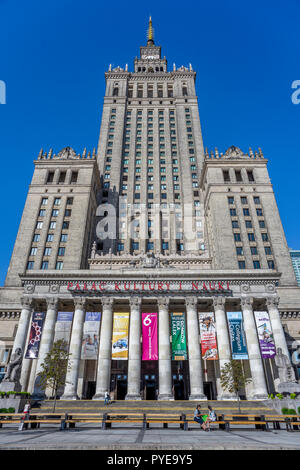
<point>237,335</point>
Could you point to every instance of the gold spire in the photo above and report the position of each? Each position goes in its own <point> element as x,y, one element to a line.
<point>150,35</point>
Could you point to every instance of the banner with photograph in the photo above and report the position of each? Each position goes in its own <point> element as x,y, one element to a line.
<point>63,326</point>
<point>35,335</point>
<point>179,352</point>
<point>265,335</point>
<point>237,335</point>
<point>90,339</point>
<point>149,333</point>
<point>209,348</point>
<point>120,336</point>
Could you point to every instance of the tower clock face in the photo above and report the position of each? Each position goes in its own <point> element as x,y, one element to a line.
<point>150,57</point>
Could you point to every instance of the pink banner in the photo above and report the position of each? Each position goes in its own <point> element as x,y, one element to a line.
<point>149,330</point>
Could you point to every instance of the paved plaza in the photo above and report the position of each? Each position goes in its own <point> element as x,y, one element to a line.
<point>135,438</point>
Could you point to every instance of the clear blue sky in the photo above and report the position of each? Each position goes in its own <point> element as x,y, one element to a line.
<point>54,55</point>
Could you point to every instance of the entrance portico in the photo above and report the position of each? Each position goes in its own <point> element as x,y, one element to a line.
<point>164,378</point>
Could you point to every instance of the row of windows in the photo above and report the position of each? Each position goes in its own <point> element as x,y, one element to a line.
<point>62,177</point>
<point>238,176</point>
<point>45,264</point>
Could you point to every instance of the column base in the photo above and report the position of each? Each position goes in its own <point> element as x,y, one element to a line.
<point>133,397</point>
<point>225,397</point>
<point>98,396</point>
<point>198,397</point>
<point>260,396</point>
<point>165,396</point>
<point>69,397</point>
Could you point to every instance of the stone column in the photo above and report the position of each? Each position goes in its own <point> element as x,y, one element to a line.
<point>46,342</point>
<point>104,357</point>
<point>260,391</point>
<point>21,335</point>
<point>134,359</point>
<point>70,392</point>
<point>164,351</point>
<point>195,361</point>
<point>223,340</point>
<point>277,328</point>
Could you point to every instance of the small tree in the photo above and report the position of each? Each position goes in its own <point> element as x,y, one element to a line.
<point>54,368</point>
<point>233,379</point>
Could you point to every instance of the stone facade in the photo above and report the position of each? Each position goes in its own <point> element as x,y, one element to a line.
<point>206,237</point>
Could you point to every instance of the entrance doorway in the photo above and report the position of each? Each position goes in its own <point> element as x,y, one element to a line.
<point>121,388</point>
<point>208,390</point>
<point>178,387</point>
<point>91,390</point>
<point>150,387</point>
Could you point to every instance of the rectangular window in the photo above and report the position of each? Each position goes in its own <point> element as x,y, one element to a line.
<point>44,201</point>
<point>238,176</point>
<point>256,264</point>
<point>47,251</point>
<point>52,225</point>
<point>244,200</point>
<point>50,237</point>
<point>235,224</point>
<point>68,212</point>
<point>64,237</point>
<point>265,237</point>
<point>262,224</point>
<point>44,265</point>
<point>74,176</point>
<point>65,225</point>
<point>251,237</point>
<point>250,176</point>
<point>30,265</point>
<point>33,251</point>
<point>239,250</point>
<point>237,237</point>
<point>36,237</point>
<point>242,265</point>
<point>246,212</point>
<point>55,212</point>
<point>268,250</point>
<point>253,250</point>
<point>271,264</point>
<point>226,176</point>
<point>230,200</point>
<point>62,177</point>
<point>233,212</point>
<point>59,265</point>
<point>61,251</point>
<point>42,213</point>
<point>248,223</point>
<point>256,200</point>
<point>57,201</point>
<point>39,225</point>
<point>50,177</point>
<point>259,212</point>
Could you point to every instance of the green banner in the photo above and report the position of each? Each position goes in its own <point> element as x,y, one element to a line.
<point>178,337</point>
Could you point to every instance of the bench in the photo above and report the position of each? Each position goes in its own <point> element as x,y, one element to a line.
<point>110,418</point>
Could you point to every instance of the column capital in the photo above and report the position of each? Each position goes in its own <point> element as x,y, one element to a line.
<point>79,303</point>
<point>135,302</point>
<point>273,302</point>
<point>26,302</point>
<point>191,302</point>
<point>219,302</point>
<point>163,302</point>
<point>107,302</point>
<point>52,303</point>
<point>246,302</point>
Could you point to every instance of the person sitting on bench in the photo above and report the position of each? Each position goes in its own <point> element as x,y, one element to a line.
<point>198,418</point>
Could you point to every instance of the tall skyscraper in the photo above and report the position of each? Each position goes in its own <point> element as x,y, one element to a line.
<point>155,260</point>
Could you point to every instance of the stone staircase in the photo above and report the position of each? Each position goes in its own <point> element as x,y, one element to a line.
<point>149,406</point>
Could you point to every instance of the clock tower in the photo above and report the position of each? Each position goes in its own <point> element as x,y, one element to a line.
<point>150,56</point>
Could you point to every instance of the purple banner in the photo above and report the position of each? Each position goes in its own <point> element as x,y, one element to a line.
<point>265,335</point>
<point>149,329</point>
<point>35,335</point>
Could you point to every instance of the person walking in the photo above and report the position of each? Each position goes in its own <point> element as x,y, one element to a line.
<point>26,410</point>
<point>198,418</point>
<point>106,398</point>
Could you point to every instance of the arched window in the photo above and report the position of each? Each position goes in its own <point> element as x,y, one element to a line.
<point>116,91</point>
